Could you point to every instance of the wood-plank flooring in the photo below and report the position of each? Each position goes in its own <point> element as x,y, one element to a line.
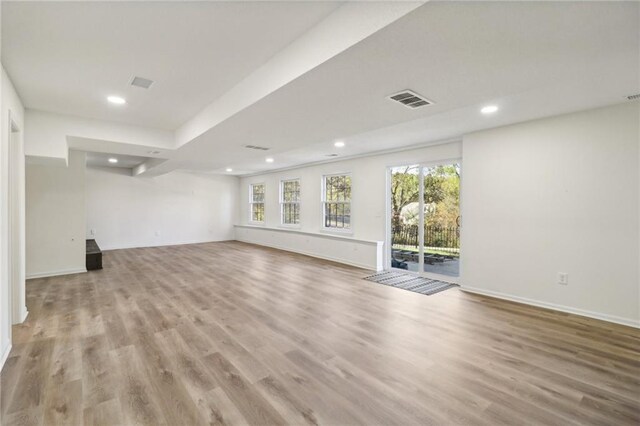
<point>230,333</point>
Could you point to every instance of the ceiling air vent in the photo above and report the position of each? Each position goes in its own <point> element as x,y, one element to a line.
<point>259,148</point>
<point>331,155</point>
<point>633,97</point>
<point>142,82</point>
<point>410,99</point>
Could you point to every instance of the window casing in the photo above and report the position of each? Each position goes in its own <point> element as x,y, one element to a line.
<point>256,203</point>
<point>290,202</point>
<point>336,202</point>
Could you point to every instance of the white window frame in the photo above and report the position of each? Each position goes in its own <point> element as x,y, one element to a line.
<point>324,202</point>
<point>282,203</point>
<point>251,203</point>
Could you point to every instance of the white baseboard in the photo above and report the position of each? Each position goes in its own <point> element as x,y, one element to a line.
<point>56,273</point>
<point>581,312</point>
<point>22,315</point>
<point>5,355</point>
<point>317,256</point>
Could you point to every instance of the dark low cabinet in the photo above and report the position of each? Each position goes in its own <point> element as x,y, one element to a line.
<point>94,256</point>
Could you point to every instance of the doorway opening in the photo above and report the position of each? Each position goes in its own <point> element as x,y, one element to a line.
<point>424,219</point>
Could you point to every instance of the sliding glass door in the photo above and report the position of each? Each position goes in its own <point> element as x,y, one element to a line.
<point>424,219</point>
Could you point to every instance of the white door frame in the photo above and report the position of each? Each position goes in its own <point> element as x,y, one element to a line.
<point>16,240</point>
<point>388,245</point>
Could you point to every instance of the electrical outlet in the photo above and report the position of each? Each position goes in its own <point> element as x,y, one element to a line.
<point>563,278</point>
<point>93,232</point>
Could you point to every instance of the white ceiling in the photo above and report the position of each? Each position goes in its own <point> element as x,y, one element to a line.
<point>67,57</point>
<point>533,59</point>
<point>101,159</point>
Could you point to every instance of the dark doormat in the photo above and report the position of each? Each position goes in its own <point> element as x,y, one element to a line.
<point>410,282</point>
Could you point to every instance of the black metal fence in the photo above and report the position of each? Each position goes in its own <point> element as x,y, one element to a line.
<point>440,238</point>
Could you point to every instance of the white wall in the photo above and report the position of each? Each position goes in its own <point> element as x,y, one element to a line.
<point>11,106</point>
<point>48,133</point>
<point>55,218</point>
<point>556,195</point>
<point>368,208</point>
<point>176,208</point>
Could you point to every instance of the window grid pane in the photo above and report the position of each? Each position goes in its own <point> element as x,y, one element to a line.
<point>257,212</point>
<point>257,202</point>
<point>290,194</point>
<point>337,202</point>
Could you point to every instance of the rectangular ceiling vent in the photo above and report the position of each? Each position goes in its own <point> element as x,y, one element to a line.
<point>259,148</point>
<point>142,82</point>
<point>633,97</point>
<point>410,99</point>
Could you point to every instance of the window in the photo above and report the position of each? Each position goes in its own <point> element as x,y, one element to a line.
<point>336,202</point>
<point>256,200</point>
<point>290,202</point>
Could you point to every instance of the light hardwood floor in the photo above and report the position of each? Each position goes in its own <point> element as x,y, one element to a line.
<point>229,333</point>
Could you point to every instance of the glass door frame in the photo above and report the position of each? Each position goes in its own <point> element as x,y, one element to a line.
<point>388,243</point>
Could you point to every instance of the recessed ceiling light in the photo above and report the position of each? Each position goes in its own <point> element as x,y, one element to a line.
<point>229,169</point>
<point>269,160</point>
<point>113,160</point>
<point>116,100</point>
<point>489,109</point>
<point>338,144</point>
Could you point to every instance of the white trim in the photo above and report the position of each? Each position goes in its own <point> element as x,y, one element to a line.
<point>25,314</point>
<point>315,234</point>
<point>306,253</point>
<point>5,355</point>
<point>16,237</point>
<point>561,308</point>
<point>56,273</point>
<point>421,215</point>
